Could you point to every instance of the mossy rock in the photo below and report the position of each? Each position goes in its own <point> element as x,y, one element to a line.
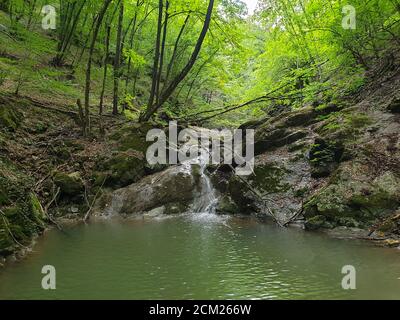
<point>353,192</point>
<point>71,185</point>
<point>302,117</point>
<point>276,139</point>
<point>269,178</point>
<point>176,208</point>
<point>120,170</point>
<point>133,137</point>
<point>325,157</point>
<point>238,192</point>
<point>227,206</point>
<point>10,118</point>
<point>316,222</point>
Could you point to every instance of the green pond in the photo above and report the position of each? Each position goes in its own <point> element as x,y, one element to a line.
<point>200,256</point>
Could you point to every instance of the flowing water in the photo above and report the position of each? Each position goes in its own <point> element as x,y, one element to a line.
<point>200,256</point>
<point>207,199</point>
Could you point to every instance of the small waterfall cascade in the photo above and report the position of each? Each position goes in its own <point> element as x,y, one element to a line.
<point>207,200</point>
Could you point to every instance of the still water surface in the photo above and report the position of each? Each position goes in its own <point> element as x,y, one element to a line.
<point>200,256</point>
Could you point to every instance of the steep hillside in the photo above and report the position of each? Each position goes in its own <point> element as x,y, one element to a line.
<point>332,165</point>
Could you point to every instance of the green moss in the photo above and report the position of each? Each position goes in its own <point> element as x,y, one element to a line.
<point>120,170</point>
<point>269,178</point>
<point>133,137</point>
<point>37,209</point>
<point>316,222</point>
<point>71,185</point>
<point>346,124</point>
<point>325,157</point>
<point>10,118</point>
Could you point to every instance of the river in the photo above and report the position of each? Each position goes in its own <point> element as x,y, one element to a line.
<point>200,256</point>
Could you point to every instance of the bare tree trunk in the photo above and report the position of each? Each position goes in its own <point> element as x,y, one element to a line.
<point>117,62</point>
<point>156,54</point>
<point>171,62</point>
<point>106,54</point>
<point>164,39</point>
<point>86,125</point>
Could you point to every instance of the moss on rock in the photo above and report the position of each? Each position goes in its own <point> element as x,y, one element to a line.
<point>71,185</point>
<point>120,170</point>
<point>355,197</point>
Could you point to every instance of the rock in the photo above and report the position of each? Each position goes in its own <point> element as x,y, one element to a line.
<point>119,170</point>
<point>394,106</point>
<point>277,138</point>
<point>173,189</point>
<point>392,243</point>
<point>302,117</point>
<point>325,157</point>
<point>155,212</point>
<point>152,169</point>
<point>240,194</point>
<point>74,210</point>
<point>315,223</point>
<point>133,137</point>
<point>357,192</point>
<point>227,206</point>
<point>23,213</point>
<point>71,185</point>
<point>176,208</point>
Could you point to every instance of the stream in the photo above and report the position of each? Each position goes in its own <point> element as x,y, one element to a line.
<point>199,255</point>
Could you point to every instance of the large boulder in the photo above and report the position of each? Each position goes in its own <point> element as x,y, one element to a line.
<point>71,185</point>
<point>119,169</point>
<point>357,195</point>
<point>173,189</point>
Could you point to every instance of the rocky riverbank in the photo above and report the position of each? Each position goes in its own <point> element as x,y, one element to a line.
<point>330,165</point>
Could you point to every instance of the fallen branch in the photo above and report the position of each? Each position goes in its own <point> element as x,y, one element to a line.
<point>6,224</point>
<point>47,207</point>
<point>87,215</point>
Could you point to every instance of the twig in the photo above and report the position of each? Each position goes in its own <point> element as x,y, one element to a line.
<point>46,210</point>
<point>87,215</point>
<point>6,224</point>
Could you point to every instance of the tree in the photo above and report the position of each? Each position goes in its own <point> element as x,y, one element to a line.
<point>153,107</point>
<point>117,61</point>
<point>99,21</point>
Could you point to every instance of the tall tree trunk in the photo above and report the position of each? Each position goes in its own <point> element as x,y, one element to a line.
<point>156,54</point>
<point>117,62</point>
<point>152,108</point>
<point>164,39</point>
<point>106,54</point>
<point>86,125</point>
<point>174,53</point>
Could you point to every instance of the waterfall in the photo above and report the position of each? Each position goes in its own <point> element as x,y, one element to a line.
<point>207,200</point>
